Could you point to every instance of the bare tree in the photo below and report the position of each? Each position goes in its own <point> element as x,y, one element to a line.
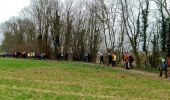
<point>56,25</point>
<point>131,27</point>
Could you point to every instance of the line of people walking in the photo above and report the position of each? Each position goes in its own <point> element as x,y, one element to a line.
<point>128,60</point>
<point>112,60</point>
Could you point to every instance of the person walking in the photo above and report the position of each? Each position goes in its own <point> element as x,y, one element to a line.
<point>114,58</point>
<point>89,57</point>
<point>131,59</point>
<point>66,56</point>
<point>109,59</point>
<point>164,68</point>
<point>101,59</point>
<point>126,60</point>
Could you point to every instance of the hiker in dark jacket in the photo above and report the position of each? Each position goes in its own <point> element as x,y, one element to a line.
<point>66,56</point>
<point>101,59</point>
<point>131,59</point>
<point>163,68</point>
<point>110,59</point>
<point>89,57</point>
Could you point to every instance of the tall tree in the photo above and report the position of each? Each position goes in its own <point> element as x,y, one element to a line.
<point>56,28</point>
<point>145,15</point>
<point>130,27</point>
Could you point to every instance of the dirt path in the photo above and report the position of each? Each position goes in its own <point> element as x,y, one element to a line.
<point>150,74</point>
<point>134,71</point>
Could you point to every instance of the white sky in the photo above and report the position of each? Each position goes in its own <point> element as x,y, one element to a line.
<point>9,8</point>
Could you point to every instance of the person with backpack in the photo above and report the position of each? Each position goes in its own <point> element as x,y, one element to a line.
<point>101,59</point>
<point>131,59</point>
<point>109,59</point>
<point>114,58</point>
<point>66,56</point>
<point>126,60</point>
<point>89,57</point>
<point>163,68</point>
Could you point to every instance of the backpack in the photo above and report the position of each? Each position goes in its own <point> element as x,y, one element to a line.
<point>168,62</point>
<point>164,65</point>
<point>131,59</point>
<point>113,57</point>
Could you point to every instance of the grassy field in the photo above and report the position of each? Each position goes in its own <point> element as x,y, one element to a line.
<point>51,80</point>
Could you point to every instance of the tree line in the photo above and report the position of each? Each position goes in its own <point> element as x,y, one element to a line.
<point>90,26</point>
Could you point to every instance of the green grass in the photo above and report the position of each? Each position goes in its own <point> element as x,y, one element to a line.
<point>22,79</point>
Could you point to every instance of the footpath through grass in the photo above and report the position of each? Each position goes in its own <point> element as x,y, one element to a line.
<point>51,80</point>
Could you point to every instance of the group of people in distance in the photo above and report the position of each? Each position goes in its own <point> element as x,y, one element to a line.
<point>128,59</point>
<point>24,54</point>
<point>62,56</point>
<point>112,58</point>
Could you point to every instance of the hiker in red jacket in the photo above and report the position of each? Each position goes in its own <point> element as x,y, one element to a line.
<point>168,61</point>
<point>168,64</point>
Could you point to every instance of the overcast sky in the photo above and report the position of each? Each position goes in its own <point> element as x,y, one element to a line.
<point>9,8</point>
